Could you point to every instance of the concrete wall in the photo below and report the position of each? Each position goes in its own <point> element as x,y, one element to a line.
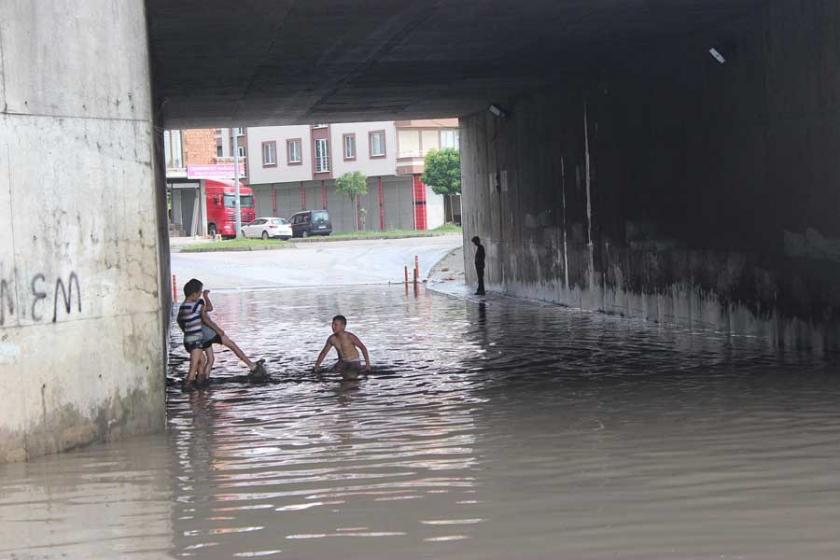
<point>81,344</point>
<point>668,186</point>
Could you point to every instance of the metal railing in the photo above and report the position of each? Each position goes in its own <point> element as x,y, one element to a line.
<point>322,163</point>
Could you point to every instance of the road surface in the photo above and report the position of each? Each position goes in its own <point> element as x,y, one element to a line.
<point>336,263</point>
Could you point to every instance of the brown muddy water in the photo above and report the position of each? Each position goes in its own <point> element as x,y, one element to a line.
<point>491,431</point>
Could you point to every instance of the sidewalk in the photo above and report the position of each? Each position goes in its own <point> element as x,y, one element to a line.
<point>447,277</point>
<point>176,243</point>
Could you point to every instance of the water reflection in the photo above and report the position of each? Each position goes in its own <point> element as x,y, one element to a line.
<point>99,502</point>
<point>490,430</point>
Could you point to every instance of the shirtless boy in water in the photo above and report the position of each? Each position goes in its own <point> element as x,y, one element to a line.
<point>345,343</point>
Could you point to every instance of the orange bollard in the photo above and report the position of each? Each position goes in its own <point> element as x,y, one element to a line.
<point>416,266</point>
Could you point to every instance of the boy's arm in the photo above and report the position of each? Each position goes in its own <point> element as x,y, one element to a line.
<point>208,305</point>
<point>323,354</point>
<point>361,345</point>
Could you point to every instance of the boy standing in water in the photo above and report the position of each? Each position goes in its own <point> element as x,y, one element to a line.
<point>200,333</point>
<point>345,343</point>
<point>189,319</point>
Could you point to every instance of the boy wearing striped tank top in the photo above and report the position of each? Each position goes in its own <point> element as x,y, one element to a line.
<point>200,333</point>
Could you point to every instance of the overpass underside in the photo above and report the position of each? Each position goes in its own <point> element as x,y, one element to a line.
<point>631,170</point>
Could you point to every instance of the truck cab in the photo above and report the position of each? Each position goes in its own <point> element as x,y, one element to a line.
<point>221,206</point>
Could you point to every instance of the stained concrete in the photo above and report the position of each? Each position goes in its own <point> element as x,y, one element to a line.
<point>81,352</point>
<point>671,187</point>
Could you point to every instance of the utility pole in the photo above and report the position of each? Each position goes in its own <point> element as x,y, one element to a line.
<point>237,203</point>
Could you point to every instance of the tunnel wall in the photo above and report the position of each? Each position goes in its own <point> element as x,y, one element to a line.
<point>670,187</point>
<point>81,351</point>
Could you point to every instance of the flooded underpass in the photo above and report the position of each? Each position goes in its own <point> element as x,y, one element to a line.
<point>503,429</point>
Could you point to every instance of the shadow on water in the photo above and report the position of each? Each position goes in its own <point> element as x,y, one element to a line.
<point>495,429</point>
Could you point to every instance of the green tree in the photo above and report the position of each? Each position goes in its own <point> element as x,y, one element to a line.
<point>353,184</point>
<point>442,172</point>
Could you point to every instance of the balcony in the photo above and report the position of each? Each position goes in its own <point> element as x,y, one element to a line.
<point>410,163</point>
<point>322,164</point>
<point>243,160</point>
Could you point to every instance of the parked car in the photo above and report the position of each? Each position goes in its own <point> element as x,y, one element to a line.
<point>268,227</point>
<point>311,222</point>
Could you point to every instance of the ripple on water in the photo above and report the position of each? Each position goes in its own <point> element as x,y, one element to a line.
<point>501,430</point>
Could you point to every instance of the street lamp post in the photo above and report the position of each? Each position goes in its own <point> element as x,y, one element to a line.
<point>237,203</point>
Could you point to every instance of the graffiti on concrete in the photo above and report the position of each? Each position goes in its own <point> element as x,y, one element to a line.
<point>67,295</point>
<point>7,302</point>
<point>64,293</point>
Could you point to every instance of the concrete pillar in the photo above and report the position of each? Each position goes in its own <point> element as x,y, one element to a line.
<point>81,322</point>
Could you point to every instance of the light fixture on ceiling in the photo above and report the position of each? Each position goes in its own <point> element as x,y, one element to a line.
<point>717,56</point>
<point>497,111</point>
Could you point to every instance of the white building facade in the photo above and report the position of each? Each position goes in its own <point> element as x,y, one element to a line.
<point>294,168</point>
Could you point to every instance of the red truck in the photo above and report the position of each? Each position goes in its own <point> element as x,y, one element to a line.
<point>221,206</point>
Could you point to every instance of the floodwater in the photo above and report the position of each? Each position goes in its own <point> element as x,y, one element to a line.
<point>495,431</point>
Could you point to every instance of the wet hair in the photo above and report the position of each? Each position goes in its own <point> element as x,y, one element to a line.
<point>476,239</point>
<point>192,287</point>
<point>341,319</point>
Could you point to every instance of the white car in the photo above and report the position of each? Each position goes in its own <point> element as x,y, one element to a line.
<point>268,227</point>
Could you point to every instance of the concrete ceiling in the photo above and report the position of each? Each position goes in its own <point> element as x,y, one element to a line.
<point>250,62</point>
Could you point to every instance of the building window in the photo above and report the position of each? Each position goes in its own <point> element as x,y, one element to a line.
<point>377,144</point>
<point>239,131</point>
<point>241,151</point>
<point>409,143</point>
<point>322,157</point>
<point>449,138</point>
<point>219,151</point>
<point>293,155</point>
<point>349,146</point>
<point>320,126</point>
<point>429,140</point>
<point>269,154</point>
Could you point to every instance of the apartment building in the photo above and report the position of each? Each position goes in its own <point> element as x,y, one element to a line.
<point>415,139</point>
<point>294,168</point>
